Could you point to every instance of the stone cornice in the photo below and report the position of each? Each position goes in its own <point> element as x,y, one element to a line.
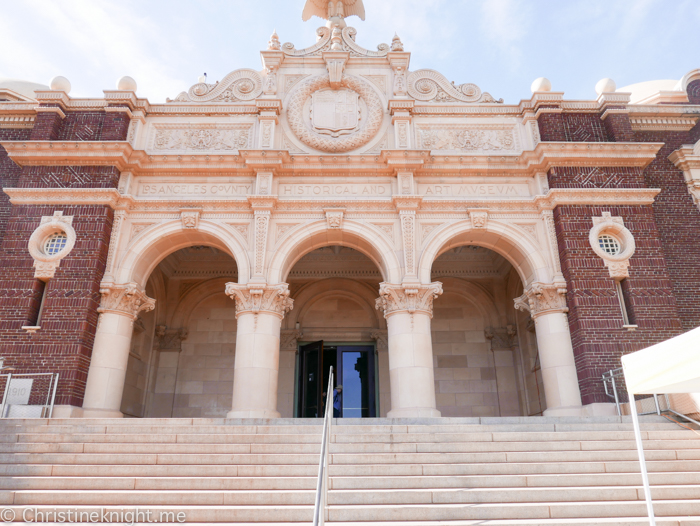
<point>685,158</point>
<point>555,197</point>
<point>121,155</point>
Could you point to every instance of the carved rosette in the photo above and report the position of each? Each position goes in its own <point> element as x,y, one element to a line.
<point>407,298</point>
<point>543,298</point>
<point>254,298</point>
<point>125,299</point>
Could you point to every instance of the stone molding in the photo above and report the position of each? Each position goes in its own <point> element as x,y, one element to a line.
<point>125,299</point>
<point>542,298</point>
<point>411,298</point>
<point>46,264</point>
<point>260,298</point>
<point>428,85</point>
<point>617,264</point>
<point>688,160</point>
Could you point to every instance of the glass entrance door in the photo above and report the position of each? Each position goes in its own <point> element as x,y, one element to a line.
<point>353,367</point>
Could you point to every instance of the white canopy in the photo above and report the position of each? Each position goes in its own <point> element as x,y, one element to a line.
<point>672,366</point>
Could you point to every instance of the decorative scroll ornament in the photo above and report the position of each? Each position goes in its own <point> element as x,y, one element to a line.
<point>501,337</point>
<point>289,339</point>
<point>411,299</point>
<point>382,339</point>
<point>126,299</point>
<point>237,86</point>
<point>257,298</point>
<point>430,86</point>
<point>312,126</point>
<point>324,43</point>
<point>543,298</point>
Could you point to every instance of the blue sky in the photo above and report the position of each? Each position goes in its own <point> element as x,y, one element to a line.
<point>501,45</point>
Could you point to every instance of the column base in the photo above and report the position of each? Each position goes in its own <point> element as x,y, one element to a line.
<point>575,410</point>
<point>253,414</point>
<point>100,413</point>
<point>600,409</point>
<point>66,411</point>
<point>414,412</point>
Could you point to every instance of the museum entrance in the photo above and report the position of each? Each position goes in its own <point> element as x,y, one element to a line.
<point>354,371</point>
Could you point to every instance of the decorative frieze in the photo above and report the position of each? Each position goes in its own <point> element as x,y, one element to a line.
<point>467,138</point>
<point>201,137</point>
<point>407,298</point>
<point>260,298</point>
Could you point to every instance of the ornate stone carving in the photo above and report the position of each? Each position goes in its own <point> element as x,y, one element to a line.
<point>198,138</point>
<point>45,264</point>
<point>290,80</point>
<point>334,218</point>
<point>239,85</point>
<point>327,117</point>
<point>501,337</point>
<point>617,263</point>
<point>382,339</point>
<point>170,340</point>
<point>256,298</point>
<point>404,298</point>
<point>274,42</point>
<point>396,44</point>
<point>126,299</point>
<point>543,298</point>
<point>262,223</point>
<point>408,228</point>
<point>302,124</point>
<point>429,85</point>
<point>467,138</point>
<point>289,339</point>
<point>270,85</point>
<point>190,218</point>
<point>335,11</point>
<point>479,218</point>
<point>119,216</point>
<point>552,235</point>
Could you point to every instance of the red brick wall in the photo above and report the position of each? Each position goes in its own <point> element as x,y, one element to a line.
<point>571,127</point>
<point>678,221</point>
<point>69,319</point>
<point>9,172</point>
<point>595,177</point>
<point>595,316</point>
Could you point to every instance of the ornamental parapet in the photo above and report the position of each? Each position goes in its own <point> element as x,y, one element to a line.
<point>259,298</point>
<point>407,298</point>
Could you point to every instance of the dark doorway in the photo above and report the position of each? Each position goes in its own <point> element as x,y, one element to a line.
<point>353,367</point>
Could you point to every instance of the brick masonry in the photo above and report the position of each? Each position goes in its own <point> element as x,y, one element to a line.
<point>69,318</point>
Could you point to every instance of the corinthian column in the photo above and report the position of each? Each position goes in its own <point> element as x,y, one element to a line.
<point>120,306</point>
<point>547,306</point>
<point>408,310</point>
<point>259,310</point>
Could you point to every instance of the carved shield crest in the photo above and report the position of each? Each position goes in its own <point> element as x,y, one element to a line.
<point>335,112</point>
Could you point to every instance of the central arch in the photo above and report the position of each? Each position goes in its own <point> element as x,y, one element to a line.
<point>513,244</point>
<point>353,234</point>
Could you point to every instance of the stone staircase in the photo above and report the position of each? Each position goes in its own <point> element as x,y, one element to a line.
<point>488,471</point>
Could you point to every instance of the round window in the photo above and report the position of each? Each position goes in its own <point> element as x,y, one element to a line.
<point>609,244</point>
<point>55,243</point>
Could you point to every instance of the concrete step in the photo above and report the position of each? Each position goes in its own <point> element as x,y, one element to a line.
<point>157,483</point>
<point>402,513</point>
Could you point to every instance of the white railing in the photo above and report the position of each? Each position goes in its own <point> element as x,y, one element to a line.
<point>321,502</point>
<point>27,395</point>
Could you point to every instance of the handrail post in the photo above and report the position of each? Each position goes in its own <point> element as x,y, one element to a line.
<point>617,399</point>
<point>321,501</point>
<point>53,396</point>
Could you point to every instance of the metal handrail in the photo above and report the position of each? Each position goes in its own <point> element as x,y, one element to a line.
<point>322,483</point>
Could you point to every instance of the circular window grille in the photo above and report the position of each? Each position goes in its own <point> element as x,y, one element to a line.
<point>55,243</point>
<point>609,244</point>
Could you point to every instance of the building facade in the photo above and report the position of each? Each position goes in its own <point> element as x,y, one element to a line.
<point>447,253</point>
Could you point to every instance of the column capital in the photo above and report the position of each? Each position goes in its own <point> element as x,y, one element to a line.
<point>126,299</point>
<point>543,298</point>
<point>259,297</point>
<point>408,298</point>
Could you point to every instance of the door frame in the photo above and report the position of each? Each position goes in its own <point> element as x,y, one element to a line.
<point>330,343</point>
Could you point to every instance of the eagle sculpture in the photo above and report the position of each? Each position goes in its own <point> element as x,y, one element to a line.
<point>333,9</point>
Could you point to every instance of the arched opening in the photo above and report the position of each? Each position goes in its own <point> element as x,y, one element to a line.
<point>182,355</point>
<point>334,290</point>
<point>484,355</point>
